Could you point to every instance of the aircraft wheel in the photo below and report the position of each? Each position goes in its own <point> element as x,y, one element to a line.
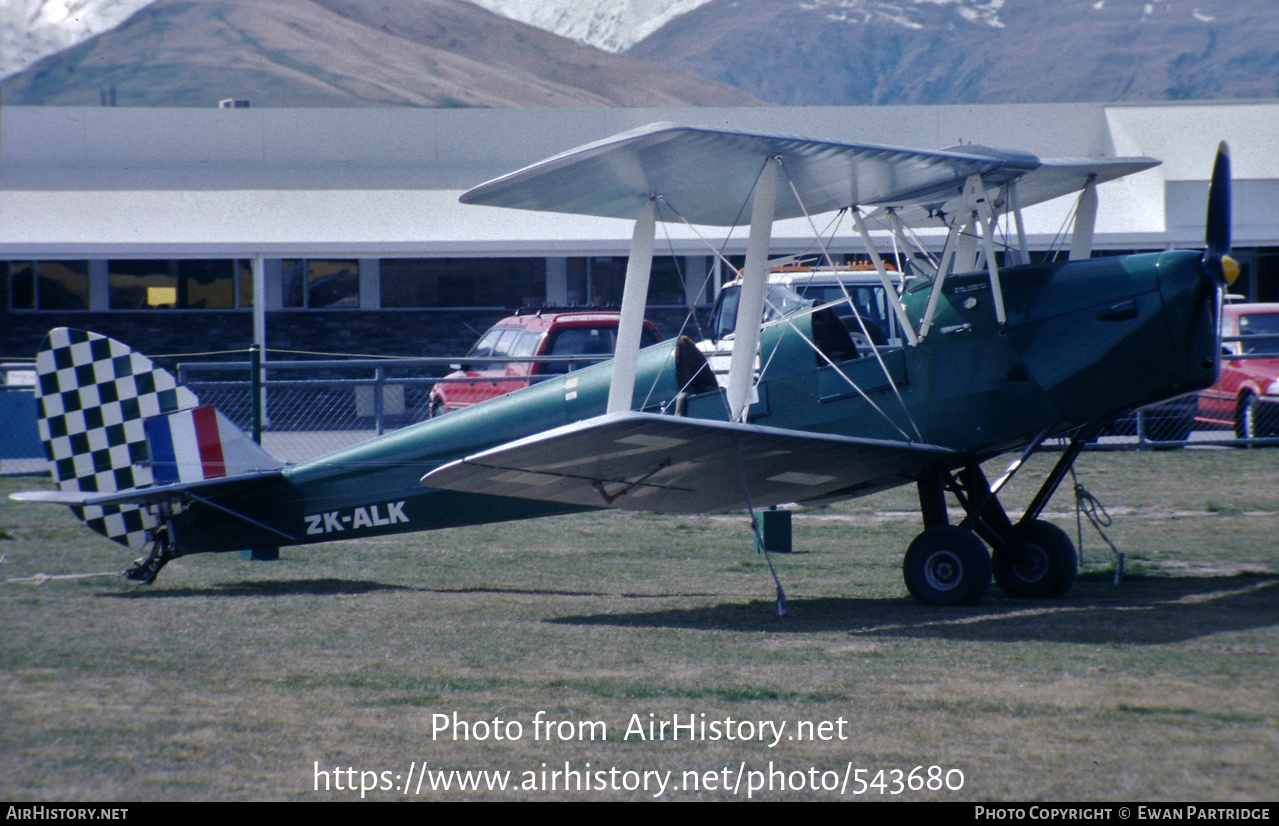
<point>947,565</point>
<point>1046,565</point>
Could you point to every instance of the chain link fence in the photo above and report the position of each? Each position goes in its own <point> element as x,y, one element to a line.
<point>315,407</point>
<point>311,407</point>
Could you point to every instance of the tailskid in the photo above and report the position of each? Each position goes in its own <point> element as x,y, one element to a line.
<point>147,568</point>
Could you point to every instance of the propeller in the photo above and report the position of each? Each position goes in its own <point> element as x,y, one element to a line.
<point>1217,263</point>
<point>1218,268</point>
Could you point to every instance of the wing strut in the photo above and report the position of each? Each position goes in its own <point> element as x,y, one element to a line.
<point>986,217</point>
<point>890,292</point>
<point>1014,203</point>
<point>974,212</point>
<point>634,298</point>
<point>1085,222</point>
<point>750,307</point>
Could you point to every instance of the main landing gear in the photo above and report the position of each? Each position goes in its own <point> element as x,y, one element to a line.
<point>949,564</point>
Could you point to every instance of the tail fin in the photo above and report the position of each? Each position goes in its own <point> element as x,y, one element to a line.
<point>99,402</point>
<point>201,444</point>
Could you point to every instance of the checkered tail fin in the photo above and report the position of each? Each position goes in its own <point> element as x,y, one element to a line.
<point>95,396</point>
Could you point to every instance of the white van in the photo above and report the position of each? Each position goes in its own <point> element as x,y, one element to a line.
<point>793,286</point>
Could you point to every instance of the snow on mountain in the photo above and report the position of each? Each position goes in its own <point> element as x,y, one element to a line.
<point>611,25</point>
<point>32,29</point>
<point>910,14</point>
<point>848,52</point>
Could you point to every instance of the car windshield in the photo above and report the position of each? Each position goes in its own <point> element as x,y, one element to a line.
<point>484,347</point>
<point>779,301</point>
<point>586,341</point>
<point>503,341</point>
<point>870,300</point>
<point>1259,324</point>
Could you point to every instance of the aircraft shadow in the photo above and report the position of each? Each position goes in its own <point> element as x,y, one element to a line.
<point>265,588</point>
<point>345,587</point>
<point>1138,612</point>
<point>548,593</point>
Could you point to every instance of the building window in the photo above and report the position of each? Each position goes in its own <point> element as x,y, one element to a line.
<point>1264,285</point>
<point>666,284</point>
<point>196,284</point>
<point>462,282</point>
<point>320,284</point>
<point>598,281</point>
<point>48,285</point>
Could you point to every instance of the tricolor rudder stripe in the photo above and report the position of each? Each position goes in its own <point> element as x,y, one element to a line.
<point>192,435</point>
<point>94,395</point>
<point>199,444</point>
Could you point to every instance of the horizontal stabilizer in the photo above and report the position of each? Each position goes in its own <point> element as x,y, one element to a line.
<point>707,174</point>
<point>139,496</point>
<point>643,461</point>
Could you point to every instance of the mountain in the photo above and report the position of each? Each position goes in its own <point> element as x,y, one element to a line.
<point>611,25</point>
<point>842,52</point>
<point>796,52</point>
<point>434,53</point>
<point>33,29</point>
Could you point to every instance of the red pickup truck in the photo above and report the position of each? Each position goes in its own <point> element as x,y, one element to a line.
<point>526,336</point>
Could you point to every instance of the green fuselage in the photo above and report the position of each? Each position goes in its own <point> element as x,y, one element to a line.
<point>1083,341</point>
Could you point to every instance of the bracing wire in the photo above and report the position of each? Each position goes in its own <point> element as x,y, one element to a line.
<point>861,322</point>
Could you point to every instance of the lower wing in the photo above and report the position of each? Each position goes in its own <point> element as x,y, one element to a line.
<point>665,464</point>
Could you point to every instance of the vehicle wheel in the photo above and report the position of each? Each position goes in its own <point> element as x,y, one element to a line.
<point>1045,567</point>
<point>1246,417</point>
<point>436,408</point>
<point>947,565</point>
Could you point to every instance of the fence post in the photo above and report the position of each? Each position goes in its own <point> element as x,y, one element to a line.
<point>255,391</point>
<point>379,378</point>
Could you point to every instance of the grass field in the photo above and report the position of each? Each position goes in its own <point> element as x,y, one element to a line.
<point>231,679</point>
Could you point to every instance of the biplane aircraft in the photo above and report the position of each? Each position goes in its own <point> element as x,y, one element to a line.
<point>998,355</point>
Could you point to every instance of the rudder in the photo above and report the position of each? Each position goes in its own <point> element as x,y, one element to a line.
<point>94,395</point>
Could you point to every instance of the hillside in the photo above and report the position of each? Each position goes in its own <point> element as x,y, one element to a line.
<point>842,52</point>
<point>437,53</point>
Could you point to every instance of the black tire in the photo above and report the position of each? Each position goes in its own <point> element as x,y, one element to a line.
<point>1246,418</point>
<point>1045,567</point>
<point>435,408</point>
<point>1254,420</point>
<point>947,565</point>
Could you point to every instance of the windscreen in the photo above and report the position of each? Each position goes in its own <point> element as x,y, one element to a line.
<point>870,300</point>
<point>586,341</point>
<point>1259,324</point>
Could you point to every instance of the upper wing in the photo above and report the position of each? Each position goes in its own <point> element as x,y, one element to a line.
<point>1052,178</point>
<point>643,461</point>
<point>707,174</point>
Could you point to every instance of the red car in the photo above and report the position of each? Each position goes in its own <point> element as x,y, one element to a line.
<point>1246,398</point>
<point>525,336</point>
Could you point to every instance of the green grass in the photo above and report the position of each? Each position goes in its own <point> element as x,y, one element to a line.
<point>231,679</point>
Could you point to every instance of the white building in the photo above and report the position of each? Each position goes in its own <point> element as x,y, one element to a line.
<point>125,218</point>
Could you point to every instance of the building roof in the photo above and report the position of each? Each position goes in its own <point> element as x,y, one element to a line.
<point>133,182</point>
